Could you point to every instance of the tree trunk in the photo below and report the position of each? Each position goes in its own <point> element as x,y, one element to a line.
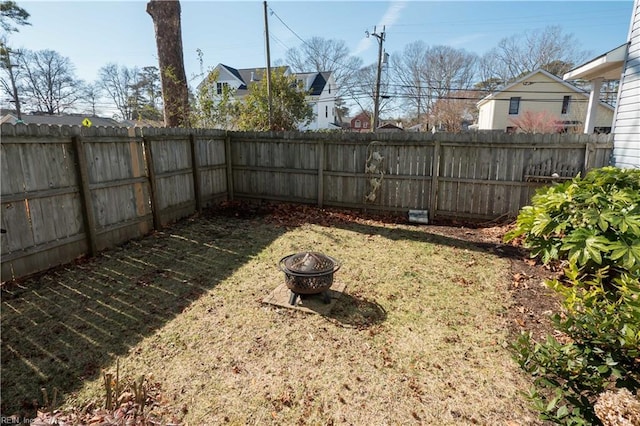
<point>166,20</point>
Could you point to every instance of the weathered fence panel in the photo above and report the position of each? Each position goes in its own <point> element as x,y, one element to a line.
<point>41,208</point>
<point>344,177</point>
<point>274,167</point>
<point>118,186</point>
<point>211,159</point>
<point>173,171</point>
<point>69,191</point>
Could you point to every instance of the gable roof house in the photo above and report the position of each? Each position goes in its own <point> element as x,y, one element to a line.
<point>320,88</point>
<point>539,92</point>
<point>621,63</point>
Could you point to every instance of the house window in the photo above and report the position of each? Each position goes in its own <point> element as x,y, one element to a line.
<point>565,104</point>
<point>514,105</point>
<point>220,87</point>
<point>358,124</point>
<point>511,129</point>
<point>329,88</point>
<point>326,111</point>
<point>365,124</point>
<point>602,130</point>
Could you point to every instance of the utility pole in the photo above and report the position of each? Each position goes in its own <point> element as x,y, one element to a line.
<point>266,30</point>
<point>376,100</point>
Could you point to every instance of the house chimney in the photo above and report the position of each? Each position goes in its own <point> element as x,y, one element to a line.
<point>253,76</point>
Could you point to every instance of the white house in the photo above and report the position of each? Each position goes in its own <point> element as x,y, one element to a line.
<point>539,91</point>
<point>320,88</point>
<point>621,63</point>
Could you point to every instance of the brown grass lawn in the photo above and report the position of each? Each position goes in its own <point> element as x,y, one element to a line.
<point>420,336</point>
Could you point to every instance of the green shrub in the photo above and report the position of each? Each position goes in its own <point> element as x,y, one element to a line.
<point>592,226</point>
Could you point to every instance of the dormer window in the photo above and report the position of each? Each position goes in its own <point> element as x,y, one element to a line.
<point>358,124</point>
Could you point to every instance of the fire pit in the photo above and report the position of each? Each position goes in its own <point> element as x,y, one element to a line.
<point>308,273</point>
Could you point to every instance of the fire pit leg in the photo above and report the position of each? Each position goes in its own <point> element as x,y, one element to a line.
<point>293,298</point>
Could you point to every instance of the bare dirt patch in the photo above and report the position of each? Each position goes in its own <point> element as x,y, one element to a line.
<point>420,336</point>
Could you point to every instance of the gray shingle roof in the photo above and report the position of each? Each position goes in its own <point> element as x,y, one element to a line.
<point>68,120</point>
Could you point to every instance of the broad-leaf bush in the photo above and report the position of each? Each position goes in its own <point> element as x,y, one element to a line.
<point>592,225</point>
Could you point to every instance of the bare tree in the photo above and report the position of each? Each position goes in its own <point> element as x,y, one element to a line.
<point>409,77</point>
<point>166,20</point>
<point>449,114</point>
<point>362,91</point>
<point>492,73</point>
<point>117,82</point>
<point>92,93</point>
<point>423,75</point>
<point>548,48</point>
<point>10,79</point>
<point>449,69</point>
<point>11,17</point>
<point>320,54</point>
<point>50,85</point>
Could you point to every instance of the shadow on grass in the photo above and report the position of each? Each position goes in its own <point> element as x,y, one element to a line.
<point>420,235</point>
<point>357,312</point>
<point>345,309</point>
<point>61,328</point>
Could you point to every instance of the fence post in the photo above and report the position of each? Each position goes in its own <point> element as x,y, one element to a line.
<point>85,195</point>
<point>589,149</point>
<point>320,173</point>
<point>228,161</point>
<point>435,167</point>
<point>155,208</point>
<point>196,172</point>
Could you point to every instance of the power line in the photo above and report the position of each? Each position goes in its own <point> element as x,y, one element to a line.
<point>333,61</point>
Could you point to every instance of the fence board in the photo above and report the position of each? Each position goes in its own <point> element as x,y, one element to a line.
<point>131,190</point>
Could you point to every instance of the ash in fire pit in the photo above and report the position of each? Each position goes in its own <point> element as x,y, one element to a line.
<point>308,273</point>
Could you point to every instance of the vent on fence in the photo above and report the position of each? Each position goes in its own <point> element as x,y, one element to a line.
<point>550,170</point>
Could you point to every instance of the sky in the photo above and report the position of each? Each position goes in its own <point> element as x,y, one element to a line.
<point>94,33</point>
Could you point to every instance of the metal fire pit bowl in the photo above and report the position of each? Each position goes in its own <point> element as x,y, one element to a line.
<point>308,273</point>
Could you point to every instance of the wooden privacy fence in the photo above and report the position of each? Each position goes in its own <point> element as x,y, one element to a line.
<point>71,191</point>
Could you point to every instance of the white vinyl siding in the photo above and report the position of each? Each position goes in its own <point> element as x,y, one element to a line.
<point>626,151</point>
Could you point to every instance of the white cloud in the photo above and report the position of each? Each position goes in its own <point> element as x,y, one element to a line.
<point>389,18</point>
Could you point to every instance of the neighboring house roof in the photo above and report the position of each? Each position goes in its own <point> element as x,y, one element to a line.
<point>247,75</point>
<point>61,120</point>
<point>236,73</point>
<point>362,116</point>
<point>527,77</point>
<point>319,82</point>
<point>607,66</point>
<point>390,127</point>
